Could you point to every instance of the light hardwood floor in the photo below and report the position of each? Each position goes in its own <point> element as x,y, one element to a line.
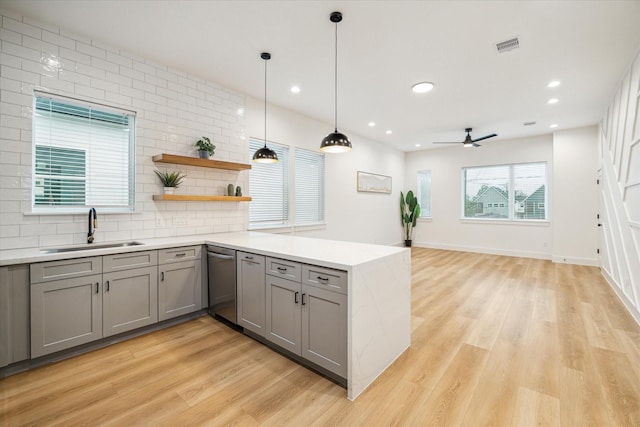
<point>496,341</point>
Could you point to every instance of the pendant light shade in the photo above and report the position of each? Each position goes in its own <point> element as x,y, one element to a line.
<point>265,154</point>
<point>336,142</point>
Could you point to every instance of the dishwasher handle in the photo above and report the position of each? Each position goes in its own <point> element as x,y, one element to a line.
<point>220,256</point>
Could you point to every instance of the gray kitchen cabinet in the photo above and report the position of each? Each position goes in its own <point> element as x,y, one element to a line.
<point>251,292</point>
<point>129,300</point>
<point>130,291</point>
<point>309,319</point>
<point>324,328</point>
<point>14,314</point>
<point>283,313</point>
<point>180,282</point>
<point>65,313</point>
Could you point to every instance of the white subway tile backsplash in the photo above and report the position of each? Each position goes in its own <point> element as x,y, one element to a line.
<point>91,50</point>
<point>174,110</point>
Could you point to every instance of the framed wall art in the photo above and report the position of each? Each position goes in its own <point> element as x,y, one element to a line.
<point>374,183</point>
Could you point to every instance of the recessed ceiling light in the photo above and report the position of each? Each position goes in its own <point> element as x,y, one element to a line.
<point>554,83</point>
<point>295,89</point>
<point>372,124</point>
<point>418,145</point>
<point>553,126</point>
<point>388,132</point>
<point>552,101</point>
<point>422,87</point>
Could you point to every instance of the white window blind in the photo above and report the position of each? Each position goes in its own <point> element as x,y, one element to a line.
<point>309,173</point>
<point>424,193</point>
<point>83,156</point>
<point>516,191</point>
<point>269,186</point>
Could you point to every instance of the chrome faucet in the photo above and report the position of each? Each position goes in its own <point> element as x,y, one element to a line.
<point>92,211</point>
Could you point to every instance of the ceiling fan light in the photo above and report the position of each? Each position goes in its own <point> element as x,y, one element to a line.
<point>335,142</point>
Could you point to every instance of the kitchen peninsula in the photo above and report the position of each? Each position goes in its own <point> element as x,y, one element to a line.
<point>378,287</point>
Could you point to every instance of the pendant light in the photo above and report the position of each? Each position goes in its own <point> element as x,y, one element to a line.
<point>336,142</point>
<point>265,154</point>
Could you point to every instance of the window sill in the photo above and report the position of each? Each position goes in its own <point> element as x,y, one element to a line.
<point>310,227</point>
<point>425,219</point>
<point>272,228</point>
<point>530,222</point>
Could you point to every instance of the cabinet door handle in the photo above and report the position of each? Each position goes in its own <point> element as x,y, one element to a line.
<point>97,287</point>
<point>107,286</point>
<point>324,279</point>
<point>162,276</point>
<point>282,269</point>
<point>181,255</point>
<point>295,297</point>
<point>248,257</point>
<point>303,303</point>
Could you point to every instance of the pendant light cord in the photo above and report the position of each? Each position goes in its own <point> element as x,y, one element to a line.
<point>265,103</point>
<point>335,95</point>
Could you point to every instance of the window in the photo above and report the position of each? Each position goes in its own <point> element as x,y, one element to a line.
<point>83,156</point>
<point>269,185</point>
<point>424,193</point>
<point>515,191</point>
<point>309,172</point>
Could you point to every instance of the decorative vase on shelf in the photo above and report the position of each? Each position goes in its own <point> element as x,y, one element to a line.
<point>230,190</point>
<point>238,191</point>
<point>169,190</point>
<point>204,154</point>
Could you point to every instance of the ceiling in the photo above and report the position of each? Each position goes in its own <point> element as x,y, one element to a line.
<point>383,48</point>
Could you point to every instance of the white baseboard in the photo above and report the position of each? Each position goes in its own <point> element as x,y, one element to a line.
<point>591,262</point>
<point>482,250</point>
<point>633,310</point>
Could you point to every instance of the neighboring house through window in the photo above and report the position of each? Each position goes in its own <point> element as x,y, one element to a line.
<point>83,156</point>
<point>516,191</point>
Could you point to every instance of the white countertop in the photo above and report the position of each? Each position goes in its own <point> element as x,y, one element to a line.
<point>329,253</point>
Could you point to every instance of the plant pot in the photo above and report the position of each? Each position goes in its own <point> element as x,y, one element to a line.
<point>169,190</point>
<point>407,243</point>
<point>204,154</point>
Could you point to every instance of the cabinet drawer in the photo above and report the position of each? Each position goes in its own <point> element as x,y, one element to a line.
<point>65,269</point>
<point>326,278</point>
<point>285,269</point>
<point>184,253</point>
<point>129,260</point>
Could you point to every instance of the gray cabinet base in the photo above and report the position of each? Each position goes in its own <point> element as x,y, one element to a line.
<point>95,345</point>
<point>300,360</point>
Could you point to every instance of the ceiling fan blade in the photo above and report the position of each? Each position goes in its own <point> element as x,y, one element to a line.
<point>484,137</point>
<point>476,145</point>
<point>449,142</point>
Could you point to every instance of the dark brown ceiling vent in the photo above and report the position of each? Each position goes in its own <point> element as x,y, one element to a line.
<point>507,45</point>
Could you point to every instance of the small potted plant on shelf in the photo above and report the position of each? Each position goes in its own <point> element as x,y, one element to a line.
<point>205,147</point>
<point>409,214</point>
<point>170,180</point>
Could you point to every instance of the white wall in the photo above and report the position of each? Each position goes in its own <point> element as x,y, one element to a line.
<point>447,230</point>
<point>350,215</point>
<point>575,196</point>
<point>620,191</point>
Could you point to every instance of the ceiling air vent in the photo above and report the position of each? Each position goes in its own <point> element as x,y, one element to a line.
<point>507,45</point>
<point>529,123</point>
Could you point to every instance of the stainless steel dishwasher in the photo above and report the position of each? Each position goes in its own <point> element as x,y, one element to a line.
<point>221,263</point>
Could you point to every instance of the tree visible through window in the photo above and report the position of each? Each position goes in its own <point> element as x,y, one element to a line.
<point>515,191</point>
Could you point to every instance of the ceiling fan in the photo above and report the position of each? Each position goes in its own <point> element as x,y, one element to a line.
<point>468,142</point>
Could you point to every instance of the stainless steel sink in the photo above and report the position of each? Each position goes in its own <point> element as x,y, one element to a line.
<point>89,247</point>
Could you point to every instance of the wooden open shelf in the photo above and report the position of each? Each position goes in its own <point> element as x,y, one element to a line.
<point>196,161</point>
<point>199,198</point>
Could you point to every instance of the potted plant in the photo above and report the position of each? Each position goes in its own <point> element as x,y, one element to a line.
<point>170,180</point>
<point>409,214</point>
<point>205,147</point>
